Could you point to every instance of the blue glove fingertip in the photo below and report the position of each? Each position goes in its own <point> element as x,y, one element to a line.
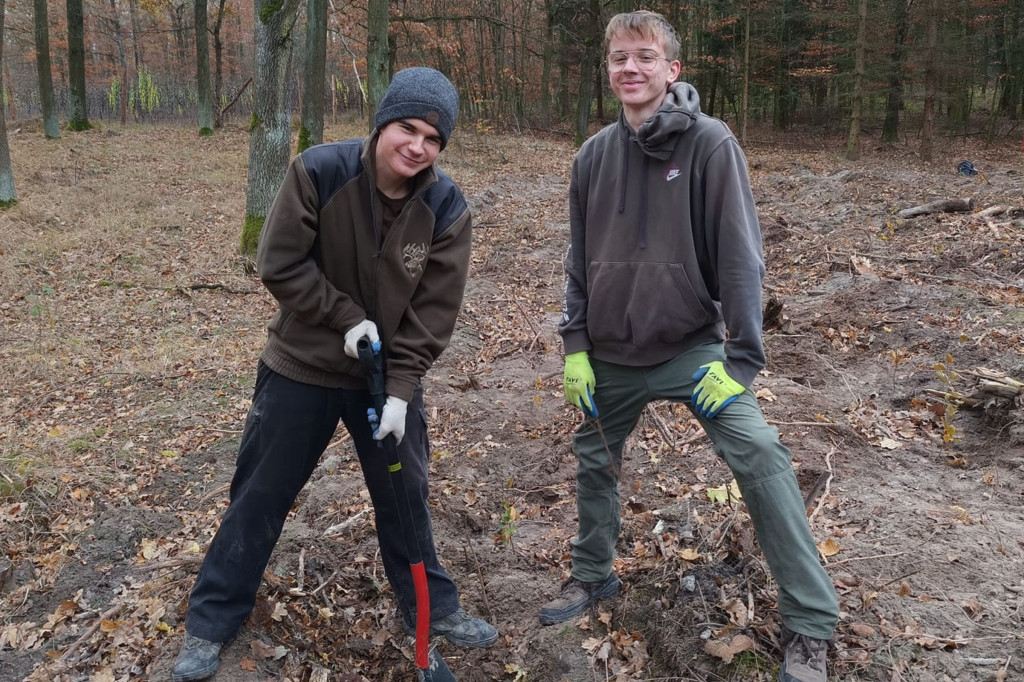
<point>375,347</point>
<point>699,374</point>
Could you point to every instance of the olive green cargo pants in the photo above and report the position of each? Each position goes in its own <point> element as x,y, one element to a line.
<point>752,449</point>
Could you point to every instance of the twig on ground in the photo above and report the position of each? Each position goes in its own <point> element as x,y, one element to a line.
<point>87,635</point>
<point>480,577</point>
<point>339,527</point>
<point>828,486</point>
<point>172,563</point>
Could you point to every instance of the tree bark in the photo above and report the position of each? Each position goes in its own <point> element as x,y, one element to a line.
<point>894,96</point>
<point>203,68</point>
<point>269,129</point>
<point>8,197</point>
<point>591,56</point>
<point>218,67</point>
<point>930,81</point>
<point>856,118</point>
<point>939,206</point>
<point>311,131</point>
<point>78,118</point>
<point>377,56</point>
<point>51,127</point>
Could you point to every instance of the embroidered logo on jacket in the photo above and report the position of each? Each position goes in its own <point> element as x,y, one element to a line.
<point>673,173</point>
<point>413,256</point>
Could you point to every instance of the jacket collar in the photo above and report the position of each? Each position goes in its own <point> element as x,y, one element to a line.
<point>657,135</point>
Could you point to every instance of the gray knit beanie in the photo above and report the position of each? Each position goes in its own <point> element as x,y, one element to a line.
<point>420,92</point>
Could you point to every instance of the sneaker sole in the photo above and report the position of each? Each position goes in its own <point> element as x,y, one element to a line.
<point>553,617</point>
<point>454,639</point>
<point>197,675</point>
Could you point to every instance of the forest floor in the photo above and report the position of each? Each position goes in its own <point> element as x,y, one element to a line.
<point>130,334</point>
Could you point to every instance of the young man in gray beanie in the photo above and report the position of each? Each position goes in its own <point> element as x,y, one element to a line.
<point>366,238</point>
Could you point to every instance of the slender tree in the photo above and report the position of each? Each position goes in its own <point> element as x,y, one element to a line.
<point>311,130</point>
<point>930,81</point>
<point>218,67</point>
<point>78,118</point>
<point>857,115</point>
<point>203,69</point>
<point>377,55</point>
<point>591,61</point>
<point>8,197</point>
<point>51,127</point>
<point>894,96</point>
<point>269,129</point>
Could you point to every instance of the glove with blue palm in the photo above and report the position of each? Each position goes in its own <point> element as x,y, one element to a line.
<point>579,382</point>
<point>715,390</point>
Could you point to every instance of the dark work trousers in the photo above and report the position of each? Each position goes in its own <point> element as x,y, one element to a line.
<point>288,428</point>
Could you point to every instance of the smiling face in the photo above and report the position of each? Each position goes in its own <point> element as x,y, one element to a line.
<point>641,92</point>
<point>404,148</point>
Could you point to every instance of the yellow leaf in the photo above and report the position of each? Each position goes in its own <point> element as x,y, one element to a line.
<point>149,548</point>
<point>829,547</point>
<point>688,554</point>
<point>718,495</point>
<point>169,453</point>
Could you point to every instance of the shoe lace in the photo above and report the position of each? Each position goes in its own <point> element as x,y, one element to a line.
<point>808,649</point>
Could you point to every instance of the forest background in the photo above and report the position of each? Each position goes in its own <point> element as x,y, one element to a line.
<point>131,324</point>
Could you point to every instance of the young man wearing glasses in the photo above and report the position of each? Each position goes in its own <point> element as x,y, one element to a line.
<point>663,301</point>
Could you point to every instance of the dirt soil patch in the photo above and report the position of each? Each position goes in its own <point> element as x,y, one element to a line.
<point>130,335</point>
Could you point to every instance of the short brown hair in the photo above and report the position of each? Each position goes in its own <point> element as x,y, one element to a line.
<point>649,25</point>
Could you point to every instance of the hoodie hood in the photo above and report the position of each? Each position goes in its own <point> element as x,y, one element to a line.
<point>657,135</point>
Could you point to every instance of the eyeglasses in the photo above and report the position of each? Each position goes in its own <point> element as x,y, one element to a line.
<point>645,60</point>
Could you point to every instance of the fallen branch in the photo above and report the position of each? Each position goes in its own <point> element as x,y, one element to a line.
<point>87,635</point>
<point>939,206</point>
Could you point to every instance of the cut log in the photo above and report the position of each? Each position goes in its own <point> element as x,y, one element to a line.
<point>939,206</point>
<point>991,212</point>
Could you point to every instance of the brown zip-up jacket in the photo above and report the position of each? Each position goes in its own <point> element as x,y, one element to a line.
<point>323,256</point>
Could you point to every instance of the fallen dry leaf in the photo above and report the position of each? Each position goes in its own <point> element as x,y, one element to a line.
<point>727,650</point>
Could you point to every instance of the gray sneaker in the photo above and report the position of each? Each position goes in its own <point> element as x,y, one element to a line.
<point>198,660</point>
<point>576,597</point>
<point>804,659</point>
<point>461,629</point>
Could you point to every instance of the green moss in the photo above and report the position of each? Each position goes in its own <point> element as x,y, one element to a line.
<point>304,142</point>
<point>269,8</point>
<point>205,132</point>
<point>251,234</point>
<point>7,203</point>
<point>78,124</point>
<point>253,122</point>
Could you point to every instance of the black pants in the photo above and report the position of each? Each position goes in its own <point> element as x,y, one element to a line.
<point>288,428</point>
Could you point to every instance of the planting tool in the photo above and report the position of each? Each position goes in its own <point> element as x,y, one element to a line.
<point>430,666</point>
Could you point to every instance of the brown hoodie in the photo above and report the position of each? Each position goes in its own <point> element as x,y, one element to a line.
<point>324,257</point>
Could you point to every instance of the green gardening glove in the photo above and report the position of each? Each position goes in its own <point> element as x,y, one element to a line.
<point>580,383</point>
<point>715,390</point>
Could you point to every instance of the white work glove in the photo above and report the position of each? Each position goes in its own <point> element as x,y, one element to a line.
<point>352,336</point>
<point>393,420</point>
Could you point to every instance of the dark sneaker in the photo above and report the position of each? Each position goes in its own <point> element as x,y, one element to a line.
<point>804,659</point>
<point>576,597</point>
<point>198,660</point>
<point>461,629</point>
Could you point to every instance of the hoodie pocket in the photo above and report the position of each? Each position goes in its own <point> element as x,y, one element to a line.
<point>644,304</point>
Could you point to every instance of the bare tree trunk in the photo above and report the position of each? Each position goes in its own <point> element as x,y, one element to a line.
<point>218,67</point>
<point>51,127</point>
<point>930,80</point>
<point>591,56</point>
<point>122,61</point>
<point>203,68</point>
<point>8,197</point>
<point>894,98</point>
<point>269,129</point>
<point>746,78</point>
<point>377,56</point>
<point>137,46</point>
<point>78,118</point>
<point>311,130</point>
<point>856,119</point>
